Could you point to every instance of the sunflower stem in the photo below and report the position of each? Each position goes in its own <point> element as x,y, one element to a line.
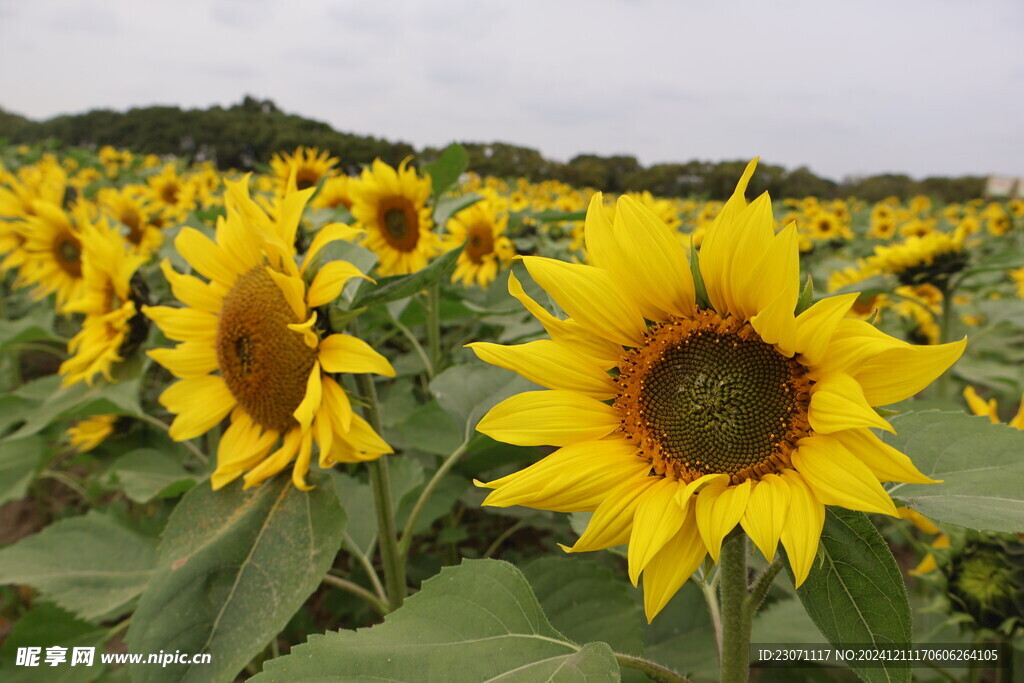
<point>760,588</point>
<point>394,567</point>
<point>355,589</point>
<point>428,490</point>
<point>656,672</point>
<point>434,326</point>
<point>732,570</point>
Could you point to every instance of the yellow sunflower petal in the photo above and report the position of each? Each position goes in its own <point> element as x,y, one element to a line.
<point>205,256</point>
<point>302,460</point>
<point>839,478</point>
<point>311,401</point>
<point>612,521</point>
<point>572,479</point>
<point>649,261</point>
<point>884,461</point>
<point>336,402</point>
<point>326,235</point>
<point>345,353</point>
<point>657,519</point>
<point>1018,420</point>
<point>192,291</point>
<point>567,332</point>
<point>590,297</point>
<point>719,242</point>
<point>188,359</point>
<point>838,402</point>
<point>548,418</point>
<point>183,324</point>
<point>550,365</point>
<point>276,461</point>
<point>294,290</point>
<point>979,406</point>
<point>815,326</point>
<point>765,515</point>
<point>676,562</point>
<point>918,367</point>
<point>241,447</point>
<point>918,520</point>
<point>802,533</point>
<point>329,282</point>
<point>720,507</point>
<point>747,264</point>
<point>359,443</point>
<point>199,404</point>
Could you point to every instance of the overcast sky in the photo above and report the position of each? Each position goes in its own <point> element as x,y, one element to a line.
<point>930,87</point>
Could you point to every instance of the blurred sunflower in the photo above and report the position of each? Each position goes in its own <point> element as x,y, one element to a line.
<point>132,210</point>
<point>89,433</point>
<point>308,164</point>
<point>335,192</point>
<point>250,346</point>
<point>171,194</point>
<point>931,259</point>
<point>391,206</point>
<point>52,252</point>
<point>106,302</point>
<point>481,227</point>
<point>737,412</point>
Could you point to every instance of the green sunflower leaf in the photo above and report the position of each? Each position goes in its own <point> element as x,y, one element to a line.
<point>475,622</point>
<point>19,462</point>
<point>855,592</point>
<point>233,567</point>
<point>445,171</point>
<point>981,466</point>
<point>588,602</point>
<point>89,565</point>
<point>402,286</point>
<point>46,626</point>
<point>148,473</point>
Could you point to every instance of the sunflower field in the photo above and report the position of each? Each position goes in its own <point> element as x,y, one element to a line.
<point>414,424</point>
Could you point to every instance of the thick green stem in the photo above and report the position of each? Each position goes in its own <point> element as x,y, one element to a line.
<point>394,566</point>
<point>434,326</point>
<point>656,672</point>
<point>732,584</point>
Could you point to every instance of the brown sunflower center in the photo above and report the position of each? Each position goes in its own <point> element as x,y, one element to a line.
<point>480,242</point>
<point>131,218</point>
<point>306,178</point>
<point>708,396</point>
<point>169,193</point>
<point>68,251</point>
<point>265,364</point>
<point>400,223</point>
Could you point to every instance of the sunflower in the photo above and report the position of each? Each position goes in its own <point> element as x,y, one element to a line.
<point>481,227</point>
<point>932,259</point>
<point>719,410</point>
<point>250,346</point>
<point>308,164</point>
<point>391,206</point>
<point>171,194</point>
<point>89,433</point>
<point>134,211</point>
<point>335,192</point>
<point>52,252</point>
<point>106,301</point>
<point>990,408</point>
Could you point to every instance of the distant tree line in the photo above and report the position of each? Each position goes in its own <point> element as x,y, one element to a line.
<point>250,132</point>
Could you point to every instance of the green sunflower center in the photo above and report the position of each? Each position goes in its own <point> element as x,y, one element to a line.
<point>265,364</point>
<point>708,396</point>
<point>400,224</point>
